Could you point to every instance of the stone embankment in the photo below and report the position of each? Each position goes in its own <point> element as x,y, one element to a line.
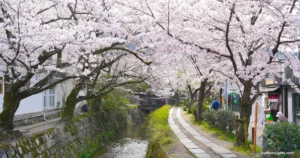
<point>73,139</point>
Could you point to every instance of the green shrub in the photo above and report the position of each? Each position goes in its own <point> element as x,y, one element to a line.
<point>283,137</point>
<point>210,117</point>
<point>194,109</point>
<point>184,102</point>
<point>205,108</point>
<point>225,120</point>
<point>221,119</point>
<point>208,101</point>
<point>133,106</point>
<point>158,126</point>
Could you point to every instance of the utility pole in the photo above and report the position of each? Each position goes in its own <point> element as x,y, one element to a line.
<point>226,95</point>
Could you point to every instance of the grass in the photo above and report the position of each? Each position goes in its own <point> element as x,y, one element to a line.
<point>226,137</point>
<point>247,151</point>
<point>133,106</point>
<point>93,145</point>
<point>158,126</point>
<point>217,132</point>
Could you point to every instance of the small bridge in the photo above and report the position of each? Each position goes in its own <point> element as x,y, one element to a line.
<point>150,104</point>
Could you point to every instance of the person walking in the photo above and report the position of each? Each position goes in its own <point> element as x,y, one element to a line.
<point>216,105</point>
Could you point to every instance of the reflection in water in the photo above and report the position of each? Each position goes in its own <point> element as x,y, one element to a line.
<point>131,143</point>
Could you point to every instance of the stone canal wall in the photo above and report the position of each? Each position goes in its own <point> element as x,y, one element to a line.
<point>75,139</point>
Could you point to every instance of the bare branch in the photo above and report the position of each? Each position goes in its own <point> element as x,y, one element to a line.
<point>291,41</point>
<point>41,11</point>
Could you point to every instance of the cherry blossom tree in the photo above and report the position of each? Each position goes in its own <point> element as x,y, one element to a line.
<point>103,79</point>
<point>44,44</point>
<point>180,71</point>
<point>239,33</point>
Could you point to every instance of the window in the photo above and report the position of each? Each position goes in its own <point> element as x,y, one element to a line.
<point>49,98</point>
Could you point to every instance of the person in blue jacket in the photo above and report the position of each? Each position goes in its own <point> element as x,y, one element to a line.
<point>216,105</point>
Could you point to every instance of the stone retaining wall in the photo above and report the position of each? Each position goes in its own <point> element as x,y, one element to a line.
<point>32,118</point>
<point>68,140</point>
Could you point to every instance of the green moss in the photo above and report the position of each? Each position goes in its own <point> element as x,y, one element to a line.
<point>71,127</point>
<point>24,145</point>
<point>133,106</point>
<point>4,146</point>
<point>68,111</point>
<point>106,123</point>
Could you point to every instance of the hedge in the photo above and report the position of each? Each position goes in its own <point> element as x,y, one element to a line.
<point>221,119</point>
<point>283,137</point>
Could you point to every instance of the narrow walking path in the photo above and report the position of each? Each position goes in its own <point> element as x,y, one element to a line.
<point>224,152</point>
<point>192,147</point>
<point>38,127</point>
<point>194,140</point>
<point>211,136</point>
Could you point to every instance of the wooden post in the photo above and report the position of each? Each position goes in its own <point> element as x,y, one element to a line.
<point>255,127</point>
<point>236,127</point>
<point>245,131</point>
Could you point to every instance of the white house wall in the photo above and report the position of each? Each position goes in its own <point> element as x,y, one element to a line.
<point>62,91</point>
<point>31,104</point>
<point>80,104</point>
<point>260,114</point>
<point>35,103</point>
<point>290,105</point>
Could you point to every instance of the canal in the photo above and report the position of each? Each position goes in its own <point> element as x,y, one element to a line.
<point>132,142</point>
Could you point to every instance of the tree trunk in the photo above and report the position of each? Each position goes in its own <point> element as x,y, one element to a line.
<point>191,104</point>
<point>10,106</point>
<point>201,100</point>
<point>191,97</point>
<point>245,111</point>
<point>71,102</point>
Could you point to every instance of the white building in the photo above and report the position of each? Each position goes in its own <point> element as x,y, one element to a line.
<point>41,106</point>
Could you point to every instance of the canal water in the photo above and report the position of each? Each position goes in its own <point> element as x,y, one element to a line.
<point>130,143</point>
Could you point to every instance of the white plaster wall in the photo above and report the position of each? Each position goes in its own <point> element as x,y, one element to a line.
<point>260,114</point>
<point>31,104</point>
<point>290,106</point>
<point>63,90</point>
<point>80,104</point>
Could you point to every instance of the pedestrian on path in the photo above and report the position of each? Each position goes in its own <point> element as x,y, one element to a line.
<point>216,105</point>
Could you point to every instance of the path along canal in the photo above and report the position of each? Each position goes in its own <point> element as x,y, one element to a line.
<point>131,142</point>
